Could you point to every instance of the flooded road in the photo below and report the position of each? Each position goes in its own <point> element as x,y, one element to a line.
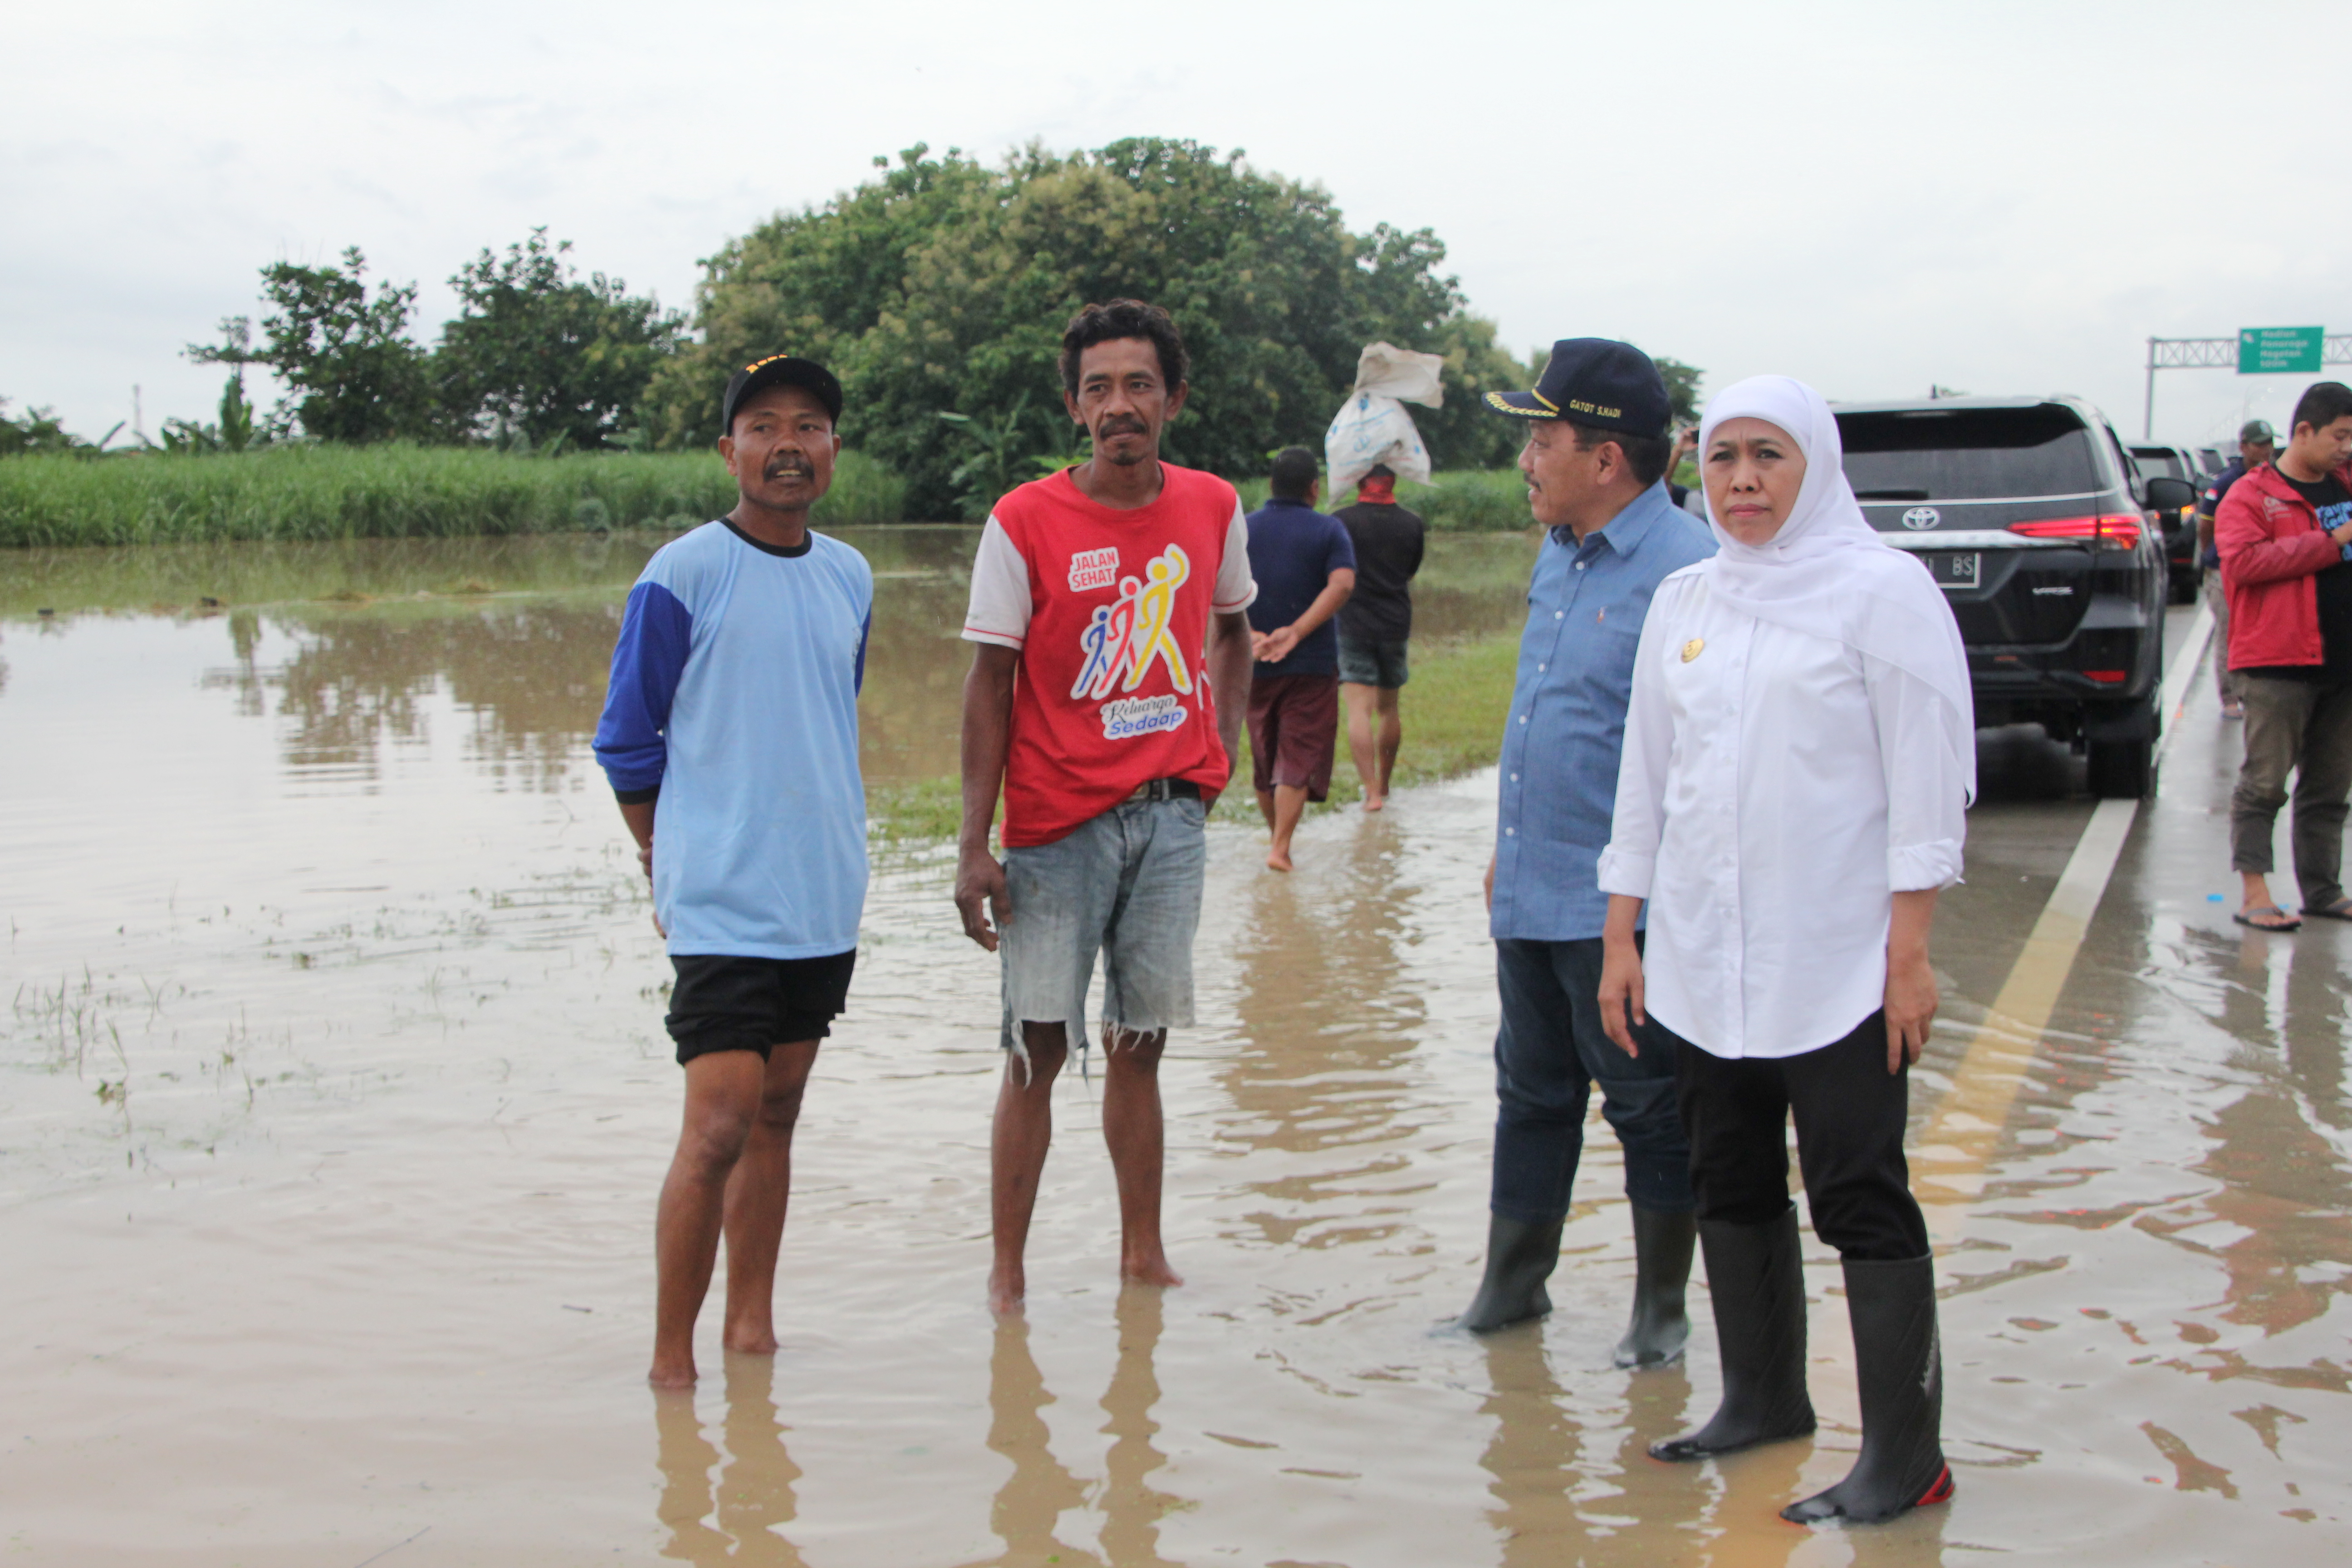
<point>334,1098</point>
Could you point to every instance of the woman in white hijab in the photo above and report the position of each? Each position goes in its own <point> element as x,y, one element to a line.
<point>1798,758</point>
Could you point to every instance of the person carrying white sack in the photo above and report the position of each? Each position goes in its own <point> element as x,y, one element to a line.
<point>1799,754</point>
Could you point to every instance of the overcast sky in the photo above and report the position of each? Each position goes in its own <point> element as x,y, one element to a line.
<point>1994,196</point>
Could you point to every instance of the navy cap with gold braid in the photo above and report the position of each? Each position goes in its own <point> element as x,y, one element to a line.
<point>1598,381</point>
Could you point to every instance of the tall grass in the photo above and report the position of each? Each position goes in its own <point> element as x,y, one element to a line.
<point>1453,710</point>
<point>1462,500</point>
<point>388,491</point>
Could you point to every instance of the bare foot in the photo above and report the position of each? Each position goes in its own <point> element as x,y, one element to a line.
<point>1153,1271</point>
<point>672,1371</point>
<point>751,1339</point>
<point>1006,1286</point>
<point>1375,801</point>
<point>1278,859</point>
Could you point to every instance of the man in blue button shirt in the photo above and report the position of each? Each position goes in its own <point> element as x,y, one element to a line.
<point>1595,459</point>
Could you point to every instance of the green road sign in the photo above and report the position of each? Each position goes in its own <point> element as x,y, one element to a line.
<point>2279,351</point>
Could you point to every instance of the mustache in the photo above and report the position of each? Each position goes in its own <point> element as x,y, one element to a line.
<point>1121,424</point>
<point>779,466</point>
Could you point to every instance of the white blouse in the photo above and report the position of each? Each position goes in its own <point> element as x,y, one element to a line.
<point>1777,789</point>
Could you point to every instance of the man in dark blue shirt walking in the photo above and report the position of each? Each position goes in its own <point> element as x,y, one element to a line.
<point>1595,459</point>
<point>1305,568</point>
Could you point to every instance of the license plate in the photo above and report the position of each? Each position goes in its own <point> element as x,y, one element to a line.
<point>1953,568</point>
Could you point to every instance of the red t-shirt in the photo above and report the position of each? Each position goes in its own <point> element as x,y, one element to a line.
<point>1110,611</point>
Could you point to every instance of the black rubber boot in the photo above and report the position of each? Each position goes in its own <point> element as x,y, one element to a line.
<point>1754,1276</point>
<point>1899,1367</point>
<point>1663,1241</point>
<point>1519,1257</point>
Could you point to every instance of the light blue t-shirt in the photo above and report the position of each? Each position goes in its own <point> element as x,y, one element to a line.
<point>734,702</point>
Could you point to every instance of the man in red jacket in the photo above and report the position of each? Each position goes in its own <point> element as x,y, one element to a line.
<point>2285,537</point>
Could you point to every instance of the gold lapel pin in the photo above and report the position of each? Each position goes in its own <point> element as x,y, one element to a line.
<point>1693,648</point>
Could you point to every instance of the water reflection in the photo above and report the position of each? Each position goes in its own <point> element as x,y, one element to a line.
<point>1330,1026</point>
<point>520,632</point>
<point>753,1493</point>
<point>1027,1514</point>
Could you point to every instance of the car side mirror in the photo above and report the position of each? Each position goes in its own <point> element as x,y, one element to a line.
<point>2167,494</point>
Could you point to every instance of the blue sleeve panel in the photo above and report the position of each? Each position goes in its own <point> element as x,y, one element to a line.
<point>656,632</point>
<point>865,636</point>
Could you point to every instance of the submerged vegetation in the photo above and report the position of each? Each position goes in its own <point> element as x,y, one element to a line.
<point>395,491</point>
<point>388,491</point>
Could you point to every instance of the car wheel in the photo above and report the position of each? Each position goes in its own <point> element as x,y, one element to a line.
<point>2122,770</point>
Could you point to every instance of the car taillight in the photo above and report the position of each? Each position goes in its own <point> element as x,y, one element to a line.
<point>2108,677</point>
<point>2115,530</point>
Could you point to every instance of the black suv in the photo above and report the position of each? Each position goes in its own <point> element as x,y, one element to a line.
<point>2160,462</point>
<point>2032,519</point>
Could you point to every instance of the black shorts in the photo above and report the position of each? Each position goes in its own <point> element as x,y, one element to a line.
<point>723,1003</point>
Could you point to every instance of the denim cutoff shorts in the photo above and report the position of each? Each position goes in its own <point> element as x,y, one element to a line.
<point>1381,664</point>
<point>1126,885</point>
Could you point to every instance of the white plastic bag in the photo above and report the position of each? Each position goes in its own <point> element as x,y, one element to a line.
<point>1373,426</point>
<point>1401,373</point>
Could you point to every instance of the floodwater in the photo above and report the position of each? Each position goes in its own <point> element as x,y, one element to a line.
<point>334,1101</point>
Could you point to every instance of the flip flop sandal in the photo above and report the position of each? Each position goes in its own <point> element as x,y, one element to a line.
<point>2287,921</point>
<point>2341,910</point>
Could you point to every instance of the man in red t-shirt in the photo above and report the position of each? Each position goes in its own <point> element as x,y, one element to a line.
<point>1105,701</point>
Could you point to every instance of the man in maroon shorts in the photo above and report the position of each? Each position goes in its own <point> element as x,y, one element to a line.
<point>1305,568</point>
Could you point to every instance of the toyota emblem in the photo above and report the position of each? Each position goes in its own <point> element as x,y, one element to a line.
<point>1922,517</point>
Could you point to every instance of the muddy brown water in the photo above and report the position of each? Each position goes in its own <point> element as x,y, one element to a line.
<point>333,1099</point>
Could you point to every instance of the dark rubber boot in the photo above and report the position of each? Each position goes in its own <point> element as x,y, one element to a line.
<point>1899,1368</point>
<point>1519,1257</point>
<point>1754,1276</point>
<point>1662,1259</point>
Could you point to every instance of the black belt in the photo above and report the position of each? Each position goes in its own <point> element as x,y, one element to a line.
<point>1166,789</point>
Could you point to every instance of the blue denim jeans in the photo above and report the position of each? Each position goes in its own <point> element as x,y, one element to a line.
<point>1124,887</point>
<point>1549,1054</point>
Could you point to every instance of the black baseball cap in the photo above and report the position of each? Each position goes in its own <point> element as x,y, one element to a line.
<point>779,370</point>
<point>2258,430</point>
<point>1598,381</point>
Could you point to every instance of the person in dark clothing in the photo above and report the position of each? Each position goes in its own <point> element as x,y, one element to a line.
<point>1306,569</point>
<point>1375,624</point>
<point>2285,538</point>
<point>2257,445</point>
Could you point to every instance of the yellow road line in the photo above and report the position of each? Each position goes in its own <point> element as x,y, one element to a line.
<point>1950,1165</point>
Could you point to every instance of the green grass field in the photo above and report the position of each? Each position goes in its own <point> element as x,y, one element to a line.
<point>397,491</point>
<point>390,491</point>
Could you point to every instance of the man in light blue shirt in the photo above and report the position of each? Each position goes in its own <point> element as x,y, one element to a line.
<point>729,735</point>
<point>1596,455</point>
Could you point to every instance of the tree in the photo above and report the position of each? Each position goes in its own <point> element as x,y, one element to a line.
<point>235,432</point>
<point>942,288</point>
<point>354,375</point>
<point>38,430</point>
<point>537,353</point>
<point>1682,388</point>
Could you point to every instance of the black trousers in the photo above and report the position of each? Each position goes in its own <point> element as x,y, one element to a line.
<point>1850,1114</point>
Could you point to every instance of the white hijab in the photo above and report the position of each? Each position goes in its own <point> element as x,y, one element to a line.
<point>1828,572</point>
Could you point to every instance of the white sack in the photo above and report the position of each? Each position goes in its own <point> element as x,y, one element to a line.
<point>1373,426</point>
<point>1402,374</point>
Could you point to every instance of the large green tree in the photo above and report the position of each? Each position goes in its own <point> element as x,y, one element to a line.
<point>537,352</point>
<point>353,372</point>
<point>941,287</point>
